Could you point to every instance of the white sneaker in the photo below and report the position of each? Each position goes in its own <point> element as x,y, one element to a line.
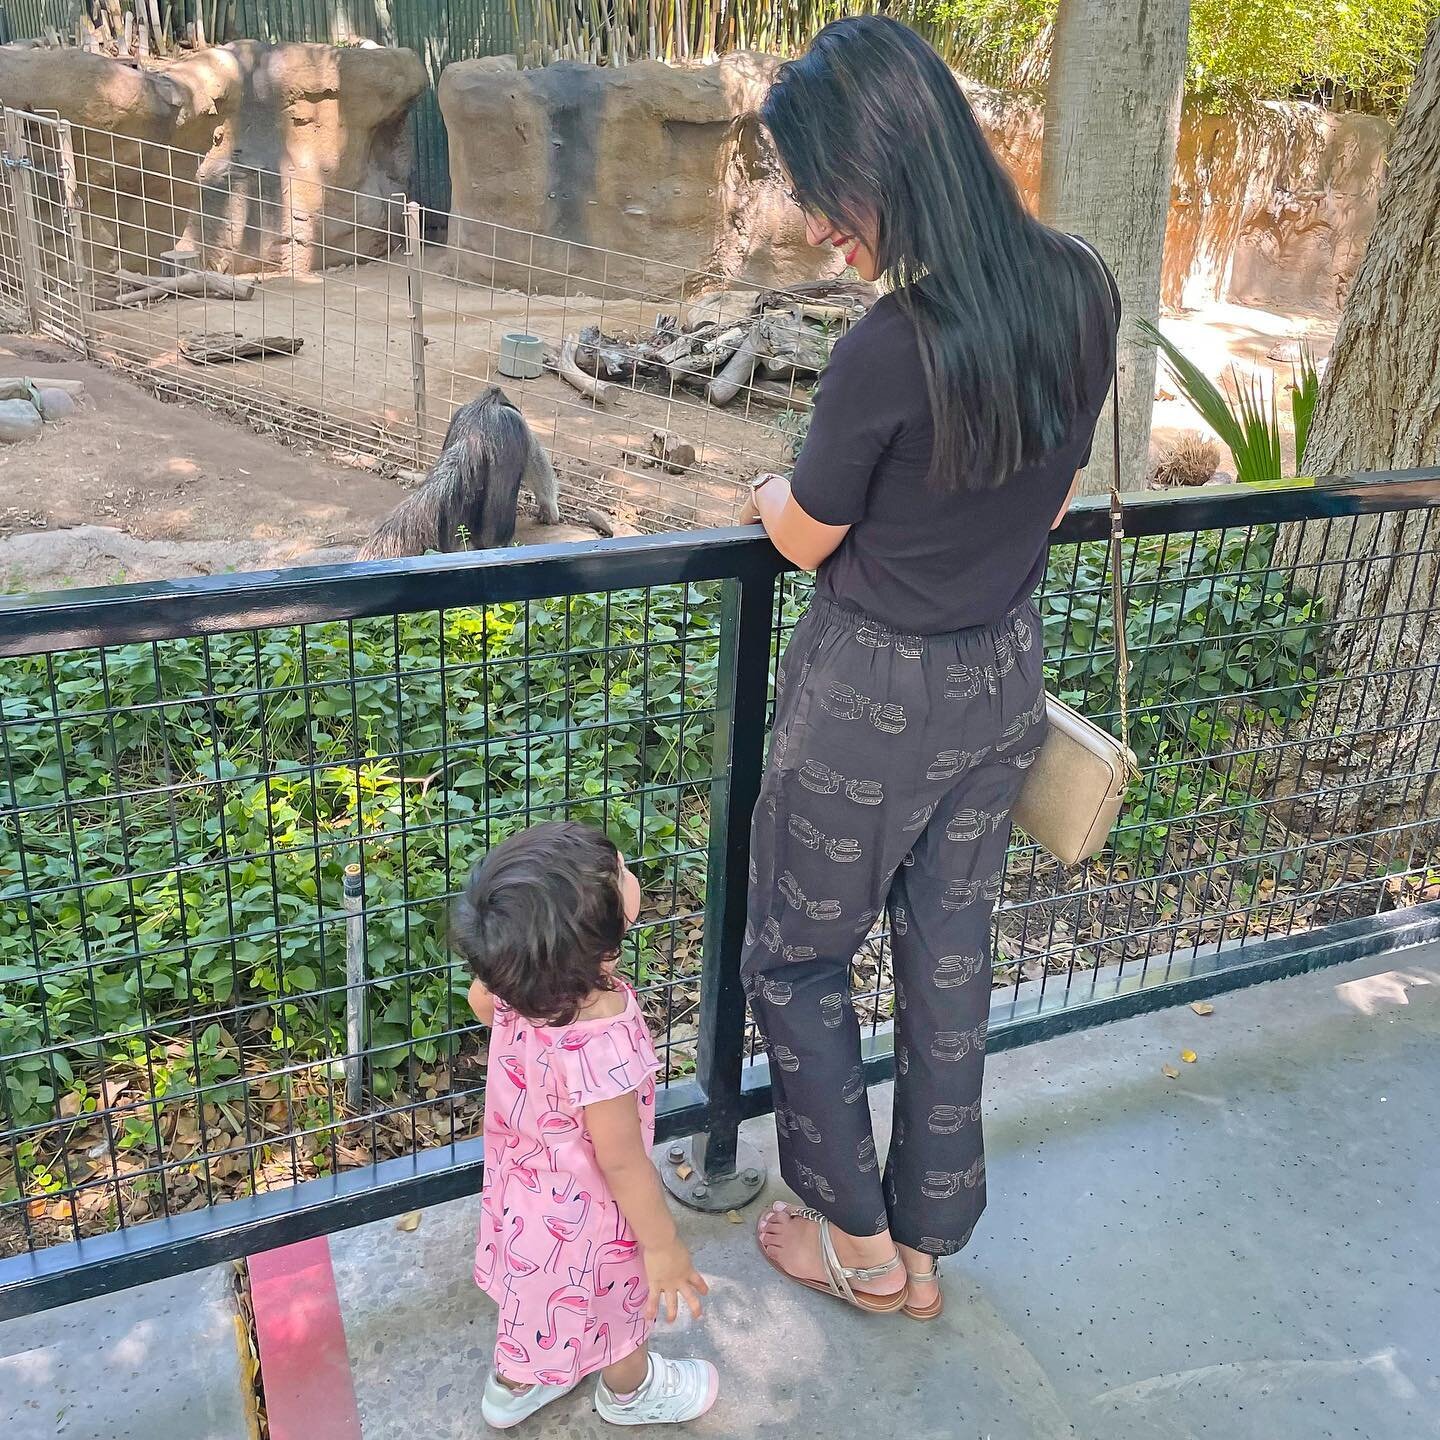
<point>503,1407</point>
<point>674,1391</point>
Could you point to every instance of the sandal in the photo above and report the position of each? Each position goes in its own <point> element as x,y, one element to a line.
<point>838,1276</point>
<point>932,1310</point>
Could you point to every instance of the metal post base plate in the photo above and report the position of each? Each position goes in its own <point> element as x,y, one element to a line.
<point>682,1167</point>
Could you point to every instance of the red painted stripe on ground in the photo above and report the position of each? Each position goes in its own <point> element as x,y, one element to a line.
<point>309,1394</point>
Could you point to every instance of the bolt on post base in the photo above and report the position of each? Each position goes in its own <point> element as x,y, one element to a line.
<point>682,1167</point>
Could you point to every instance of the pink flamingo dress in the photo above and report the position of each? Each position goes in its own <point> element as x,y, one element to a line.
<point>554,1252</point>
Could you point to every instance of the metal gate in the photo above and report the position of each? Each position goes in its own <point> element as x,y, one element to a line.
<point>42,272</point>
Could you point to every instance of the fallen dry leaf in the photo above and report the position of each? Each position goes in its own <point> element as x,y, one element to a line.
<point>1203,1007</point>
<point>1188,1056</point>
<point>408,1222</point>
<point>734,1217</point>
<point>684,1171</point>
<point>1169,1072</point>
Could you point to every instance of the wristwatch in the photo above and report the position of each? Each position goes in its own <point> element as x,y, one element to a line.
<point>760,481</point>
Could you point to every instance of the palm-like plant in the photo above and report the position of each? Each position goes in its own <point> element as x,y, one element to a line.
<point>1242,410</point>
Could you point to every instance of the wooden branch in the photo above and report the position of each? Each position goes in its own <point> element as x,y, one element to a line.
<point>210,348</point>
<point>738,369</point>
<point>573,375</point>
<point>789,339</point>
<point>607,358</point>
<point>194,282</point>
<point>855,296</point>
<point>706,350</point>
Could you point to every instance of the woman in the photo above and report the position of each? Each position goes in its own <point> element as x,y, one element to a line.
<point>943,448</point>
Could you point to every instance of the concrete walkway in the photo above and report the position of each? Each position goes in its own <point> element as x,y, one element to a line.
<point>159,1362</point>
<point>1250,1250</point>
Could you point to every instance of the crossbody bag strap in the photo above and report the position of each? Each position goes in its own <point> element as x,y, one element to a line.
<point>1117,587</point>
<point>1117,523</point>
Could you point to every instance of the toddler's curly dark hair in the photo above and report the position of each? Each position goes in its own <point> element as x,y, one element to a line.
<point>540,916</point>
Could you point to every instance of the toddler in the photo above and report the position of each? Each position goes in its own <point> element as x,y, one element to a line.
<point>576,1245</point>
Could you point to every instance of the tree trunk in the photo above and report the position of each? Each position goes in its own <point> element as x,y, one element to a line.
<point>1112,115</point>
<point>1379,409</point>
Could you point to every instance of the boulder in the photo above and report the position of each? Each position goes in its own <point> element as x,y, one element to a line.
<point>21,387</point>
<point>308,154</point>
<point>55,405</point>
<point>19,420</point>
<point>668,167</point>
<point>663,164</point>
<point>162,154</point>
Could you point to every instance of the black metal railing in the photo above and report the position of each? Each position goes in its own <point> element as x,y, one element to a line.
<point>232,810</point>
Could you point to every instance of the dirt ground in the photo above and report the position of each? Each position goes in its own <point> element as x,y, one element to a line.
<point>355,379</point>
<point>137,487</point>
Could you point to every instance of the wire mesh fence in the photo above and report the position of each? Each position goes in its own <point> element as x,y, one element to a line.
<point>321,316</point>
<point>231,817</point>
<point>1284,705</point>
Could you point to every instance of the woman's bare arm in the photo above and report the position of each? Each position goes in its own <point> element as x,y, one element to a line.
<point>802,540</point>
<point>1066,503</point>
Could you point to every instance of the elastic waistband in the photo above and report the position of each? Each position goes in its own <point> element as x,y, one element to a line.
<point>826,609</point>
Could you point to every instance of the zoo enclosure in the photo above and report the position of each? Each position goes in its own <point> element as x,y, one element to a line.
<point>233,810</point>
<point>376,338</point>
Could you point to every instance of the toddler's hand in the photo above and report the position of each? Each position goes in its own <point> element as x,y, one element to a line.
<point>672,1276</point>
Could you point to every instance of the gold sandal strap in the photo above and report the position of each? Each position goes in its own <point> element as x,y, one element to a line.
<point>839,1276</point>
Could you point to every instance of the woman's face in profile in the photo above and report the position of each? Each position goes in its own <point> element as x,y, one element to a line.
<point>857,252</point>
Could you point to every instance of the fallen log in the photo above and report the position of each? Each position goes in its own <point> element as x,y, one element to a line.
<point>856,296</point>
<point>737,371</point>
<point>785,397</point>
<point>793,343</point>
<point>573,375</point>
<point>607,358</point>
<point>707,350</point>
<point>214,348</point>
<point>194,282</point>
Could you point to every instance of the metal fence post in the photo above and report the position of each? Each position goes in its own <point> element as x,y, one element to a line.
<point>17,161</point>
<point>70,179</point>
<point>414,251</point>
<point>354,986</point>
<point>710,1171</point>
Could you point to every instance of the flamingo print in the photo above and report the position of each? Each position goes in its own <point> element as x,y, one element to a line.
<point>601,1338</point>
<point>517,1266</point>
<point>507,1348</point>
<point>578,1273</point>
<point>556,1129</point>
<point>485,1258</point>
<point>563,1377</point>
<point>613,1255</point>
<point>620,1070</point>
<point>564,1229</point>
<point>554,1249</point>
<point>575,1042</point>
<point>571,1299</point>
<point>636,1294</point>
<point>516,1071</point>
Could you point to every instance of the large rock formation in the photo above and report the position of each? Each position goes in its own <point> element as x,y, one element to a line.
<point>1273,205</point>
<point>668,167</point>
<point>182,153</point>
<point>664,165</point>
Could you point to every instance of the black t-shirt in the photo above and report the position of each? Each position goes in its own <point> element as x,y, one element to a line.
<point>918,558</point>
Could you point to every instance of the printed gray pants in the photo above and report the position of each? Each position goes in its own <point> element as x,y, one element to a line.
<point>894,762</point>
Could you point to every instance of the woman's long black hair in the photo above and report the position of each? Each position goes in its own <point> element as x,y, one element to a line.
<point>877,137</point>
